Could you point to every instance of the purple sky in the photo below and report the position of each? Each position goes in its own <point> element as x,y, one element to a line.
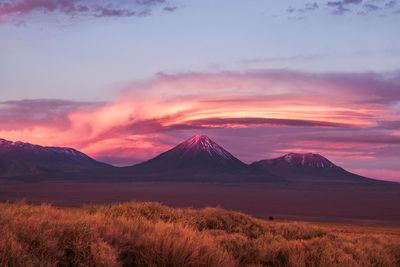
<point>125,80</point>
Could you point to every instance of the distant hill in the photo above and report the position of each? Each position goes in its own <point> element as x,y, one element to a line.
<point>34,162</point>
<point>308,167</point>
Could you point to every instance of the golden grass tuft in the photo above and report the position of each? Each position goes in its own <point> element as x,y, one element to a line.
<point>150,234</point>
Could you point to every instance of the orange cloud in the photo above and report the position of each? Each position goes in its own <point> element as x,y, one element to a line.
<point>148,111</point>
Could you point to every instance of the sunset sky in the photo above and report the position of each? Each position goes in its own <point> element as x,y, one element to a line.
<point>125,80</point>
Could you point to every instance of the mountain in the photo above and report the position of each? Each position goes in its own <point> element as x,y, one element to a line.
<point>308,167</point>
<point>196,153</point>
<point>198,159</point>
<point>32,162</point>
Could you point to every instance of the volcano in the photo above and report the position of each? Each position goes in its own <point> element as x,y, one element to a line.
<point>308,167</point>
<point>198,159</point>
<point>196,153</point>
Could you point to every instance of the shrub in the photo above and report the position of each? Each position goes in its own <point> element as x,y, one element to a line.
<point>150,234</point>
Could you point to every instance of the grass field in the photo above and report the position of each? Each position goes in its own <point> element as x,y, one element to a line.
<point>150,234</point>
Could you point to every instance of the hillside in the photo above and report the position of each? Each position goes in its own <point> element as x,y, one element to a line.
<point>34,162</point>
<point>149,234</point>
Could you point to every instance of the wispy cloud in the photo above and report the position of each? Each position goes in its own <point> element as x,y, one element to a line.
<point>249,122</point>
<point>360,7</point>
<point>280,59</point>
<point>342,7</point>
<point>391,4</point>
<point>350,113</point>
<point>27,114</point>
<point>86,8</point>
<point>306,8</point>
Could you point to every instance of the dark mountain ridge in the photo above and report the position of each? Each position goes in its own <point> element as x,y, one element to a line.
<point>19,159</point>
<point>198,159</point>
<point>308,167</point>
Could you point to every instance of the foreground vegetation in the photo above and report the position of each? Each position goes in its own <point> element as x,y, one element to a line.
<point>150,234</point>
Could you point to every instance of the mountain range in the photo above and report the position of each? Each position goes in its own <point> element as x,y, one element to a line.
<point>198,159</point>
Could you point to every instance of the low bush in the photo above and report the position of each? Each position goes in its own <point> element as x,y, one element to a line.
<point>150,234</point>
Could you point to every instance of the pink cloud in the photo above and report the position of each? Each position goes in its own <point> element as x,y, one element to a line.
<point>26,114</point>
<point>338,115</point>
<point>335,145</point>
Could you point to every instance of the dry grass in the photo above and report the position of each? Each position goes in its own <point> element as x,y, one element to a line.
<point>150,234</point>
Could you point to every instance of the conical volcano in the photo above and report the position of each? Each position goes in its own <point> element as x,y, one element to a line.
<point>197,154</point>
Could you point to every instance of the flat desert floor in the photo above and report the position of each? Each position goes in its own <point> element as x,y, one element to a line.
<point>336,203</point>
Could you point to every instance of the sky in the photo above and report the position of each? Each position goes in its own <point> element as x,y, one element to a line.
<point>125,80</point>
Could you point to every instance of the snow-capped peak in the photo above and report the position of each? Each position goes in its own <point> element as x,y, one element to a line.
<point>36,149</point>
<point>198,143</point>
<point>308,160</point>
